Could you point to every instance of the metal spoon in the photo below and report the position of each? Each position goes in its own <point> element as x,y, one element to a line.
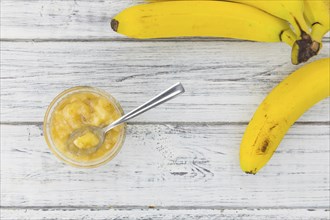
<point>166,95</point>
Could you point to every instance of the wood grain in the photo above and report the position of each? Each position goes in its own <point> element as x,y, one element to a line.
<point>59,19</point>
<point>180,161</point>
<point>220,86</point>
<point>165,214</point>
<point>169,165</point>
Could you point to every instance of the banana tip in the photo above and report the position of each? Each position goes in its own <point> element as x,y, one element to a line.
<point>114,24</point>
<point>251,172</point>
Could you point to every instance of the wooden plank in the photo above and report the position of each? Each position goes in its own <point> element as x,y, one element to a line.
<point>61,19</point>
<point>169,165</point>
<point>220,85</point>
<point>164,214</point>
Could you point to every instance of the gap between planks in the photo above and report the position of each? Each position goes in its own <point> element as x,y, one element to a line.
<point>125,39</point>
<point>132,207</point>
<point>162,214</point>
<point>18,123</point>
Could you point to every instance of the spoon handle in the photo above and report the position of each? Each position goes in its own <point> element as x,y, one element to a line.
<point>166,95</point>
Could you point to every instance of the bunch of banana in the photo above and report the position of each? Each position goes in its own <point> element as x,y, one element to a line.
<point>264,21</point>
<point>280,109</point>
<point>255,20</point>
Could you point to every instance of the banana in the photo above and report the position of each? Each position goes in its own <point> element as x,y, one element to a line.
<point>289,10</point>
<point>201,19</point>
<point>279,110</point>
<point>317,14</point>
<point>293,12</point>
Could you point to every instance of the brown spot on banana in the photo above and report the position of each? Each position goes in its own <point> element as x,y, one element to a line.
<point>264,146</point>
<point>274,126</point>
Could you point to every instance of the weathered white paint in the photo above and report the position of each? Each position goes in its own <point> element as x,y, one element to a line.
<point>169,165</point>
<point>221,86</point>
<point>166,214</point>
<point>59,19</point>
<point>182,157</point>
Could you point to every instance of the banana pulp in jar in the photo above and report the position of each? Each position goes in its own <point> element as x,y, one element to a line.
<point>78,110</point>
<point>87,140</point>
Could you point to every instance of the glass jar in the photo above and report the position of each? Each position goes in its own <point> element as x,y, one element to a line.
<point>74,161</point>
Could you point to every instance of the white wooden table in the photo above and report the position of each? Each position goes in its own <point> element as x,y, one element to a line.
<point>179,161</point>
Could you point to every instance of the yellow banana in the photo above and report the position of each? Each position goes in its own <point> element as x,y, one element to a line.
<point>317,14</point>
<point>293,12</point>
<point>203,19</point>
<point>279,110</point>
<point>289,10</point>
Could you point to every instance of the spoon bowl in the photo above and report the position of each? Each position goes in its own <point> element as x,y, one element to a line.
<point>97,131</point>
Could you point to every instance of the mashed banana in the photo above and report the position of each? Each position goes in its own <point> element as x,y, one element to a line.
<point>86,141</point>
<point>78,110</point>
